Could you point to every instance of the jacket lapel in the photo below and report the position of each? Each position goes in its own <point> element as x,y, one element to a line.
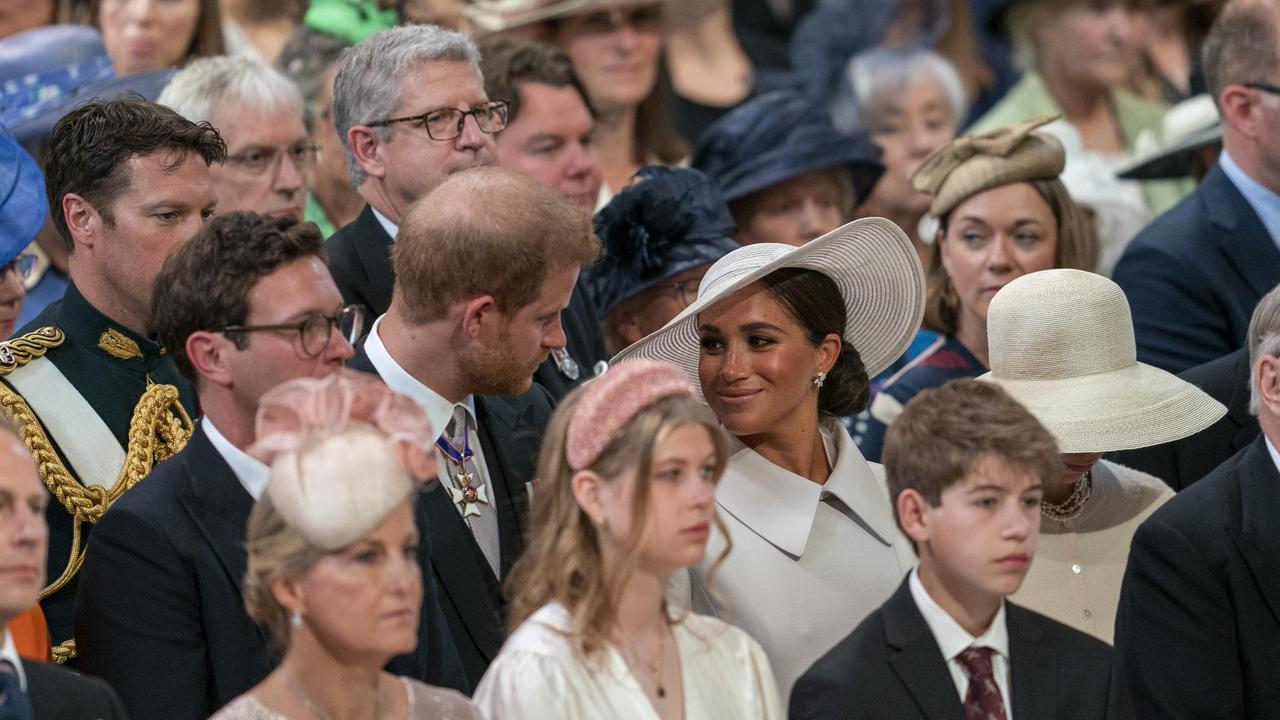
<point>916,659</point>
<point>374,253</point>
<point>219,507</point>
<point>1258,534</point>
<point>1242,236</point>
<point>1033,667</point>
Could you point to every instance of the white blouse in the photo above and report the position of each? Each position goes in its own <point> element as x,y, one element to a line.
<point>538,674</point>
<point>809,562</point>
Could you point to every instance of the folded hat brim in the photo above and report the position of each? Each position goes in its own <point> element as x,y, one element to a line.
<point>871,261</point>
<point>1134,407</point>
<point>1172,161</point>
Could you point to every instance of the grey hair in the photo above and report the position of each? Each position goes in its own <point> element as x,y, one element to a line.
<point>1263,339</point>
<point>874,76</point>
<point>1240,47</point>
<point>306,57</point>
<point>367,88</point>
<point>206,83</point>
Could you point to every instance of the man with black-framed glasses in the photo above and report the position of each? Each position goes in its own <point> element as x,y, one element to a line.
<point>410,107</point>
<point>244,306</point>
<point>1194,275</point>
<point>259,113</point>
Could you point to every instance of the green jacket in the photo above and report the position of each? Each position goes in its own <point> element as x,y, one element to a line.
<point>1030,97</point>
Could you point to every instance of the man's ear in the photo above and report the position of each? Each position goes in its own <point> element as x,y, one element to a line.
<point>288,592</point>
<point>479,313</point>
<point>1240,108</point>
<point>367,150</point>
<point>913,515</point>
<point>1266,376</point>
<point>83,220</point>
<point>208,353</point>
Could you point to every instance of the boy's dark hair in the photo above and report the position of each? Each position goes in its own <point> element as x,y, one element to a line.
<point>205,283</point>
<point>943,432</point>
<point>506,63</point>
<point>90,146</point>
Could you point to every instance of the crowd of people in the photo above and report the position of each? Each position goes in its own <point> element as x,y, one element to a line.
<point>641,359</point>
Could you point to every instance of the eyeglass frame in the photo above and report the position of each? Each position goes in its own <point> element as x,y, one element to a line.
<point>17,264</point>
<point>462,119</point>
<point>277,161</point>
<point>682,289</point>
<point>1264,87</point>
<point>333,322</point>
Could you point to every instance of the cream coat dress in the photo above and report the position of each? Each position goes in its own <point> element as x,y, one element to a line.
<point>1079,565</point>
<point>809,562</point>
<point>538,675</point>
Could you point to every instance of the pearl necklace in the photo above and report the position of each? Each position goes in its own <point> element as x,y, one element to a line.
<point>1070,508</point>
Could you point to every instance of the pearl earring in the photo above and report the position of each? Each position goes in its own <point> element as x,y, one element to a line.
<point>296,618</point>
<point>819,379</point>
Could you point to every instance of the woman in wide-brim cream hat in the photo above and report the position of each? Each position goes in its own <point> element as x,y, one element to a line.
<point>781,341</point>
<point>1061,343</point>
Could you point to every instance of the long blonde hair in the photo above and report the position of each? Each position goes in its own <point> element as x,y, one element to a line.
<point>563,561</point>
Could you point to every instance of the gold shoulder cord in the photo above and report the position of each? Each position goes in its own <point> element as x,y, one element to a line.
<point>158,429</point>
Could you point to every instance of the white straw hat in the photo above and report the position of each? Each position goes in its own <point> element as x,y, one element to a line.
<point>1061,343</point>
<point>871,261</point>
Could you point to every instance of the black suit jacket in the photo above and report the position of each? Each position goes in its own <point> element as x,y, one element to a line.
<point>360,261</point>
<point>1185,461</point>
<point>60,694</point>
<point>1194,275</point>
<point>160,614</point>
<point>890,668</point>
<point>510,430</point>
<point>1198,626</point>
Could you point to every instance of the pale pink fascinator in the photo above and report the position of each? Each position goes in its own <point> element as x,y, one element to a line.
<point>344,452</point>
<point>612,399</point>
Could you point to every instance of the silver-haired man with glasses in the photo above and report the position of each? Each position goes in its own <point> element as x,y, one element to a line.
<point>259,113</point>
<point>244,306</point>
<point>411,109</point>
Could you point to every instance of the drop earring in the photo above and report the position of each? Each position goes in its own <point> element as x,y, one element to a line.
<point>295,619</point>
<point>819,380</point>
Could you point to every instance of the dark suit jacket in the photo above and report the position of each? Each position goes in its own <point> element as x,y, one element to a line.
<point>360,261</point>
<point>60,694</point>
<point>1198,626</point>
<point>160,614</point>
<point>1194,275</point>
<point>890,668</point>
<point>1185,461</point>
<point>510,430</point>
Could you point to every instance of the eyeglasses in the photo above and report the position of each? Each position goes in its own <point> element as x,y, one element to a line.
<point>446,123</point>
<point>23,265</point>
<point>260,159</point>
<point>316,330</point>
<point>1264,87</point>
<point>686,290</point>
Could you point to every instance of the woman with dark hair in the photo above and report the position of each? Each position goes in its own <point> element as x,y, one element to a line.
<point>144,35</point>
<point>1000,213</point>
<point>781,341</point>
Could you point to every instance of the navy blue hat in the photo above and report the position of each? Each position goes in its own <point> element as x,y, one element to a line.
<point>777,136</point>
<point>38,66</point>
<point>38,121</point>
<point>23,205</point>
<point>667,221</point>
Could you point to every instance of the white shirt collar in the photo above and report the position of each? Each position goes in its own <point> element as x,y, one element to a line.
<point>9,651</point>
<point>439,410</point>
<point>1275,455</point>
<point>251,473</point>
<point>951,637</point>
<point>391,228</point>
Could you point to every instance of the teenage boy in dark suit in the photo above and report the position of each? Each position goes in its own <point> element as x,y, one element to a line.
<point>966,465</point>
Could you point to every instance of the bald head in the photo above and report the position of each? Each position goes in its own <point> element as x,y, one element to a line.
<point>485,231</point>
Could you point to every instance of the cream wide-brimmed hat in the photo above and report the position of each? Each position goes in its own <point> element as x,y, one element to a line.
<point>494,16</point>
<point>871,261</point>
<point>1061,343</point>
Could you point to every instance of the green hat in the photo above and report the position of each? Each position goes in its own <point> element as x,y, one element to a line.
<point>351,20</point>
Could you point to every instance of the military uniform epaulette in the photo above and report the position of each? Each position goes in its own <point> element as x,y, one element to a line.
<point>158,429</point>
<point>22,349</point>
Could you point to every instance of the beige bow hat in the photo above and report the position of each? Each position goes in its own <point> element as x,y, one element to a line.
<point>1061,343</point>
<point>973,163</point>
<point>871,261</point>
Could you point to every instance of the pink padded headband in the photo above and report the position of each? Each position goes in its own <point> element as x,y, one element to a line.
<point>611,400</point>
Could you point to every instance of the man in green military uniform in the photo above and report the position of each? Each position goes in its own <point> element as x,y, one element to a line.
<point>97,401</point>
